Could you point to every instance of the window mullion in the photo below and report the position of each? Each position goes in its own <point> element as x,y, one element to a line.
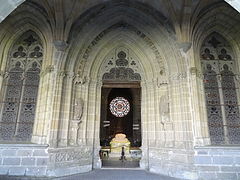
<point>20,106</point>
<point>219,79</point>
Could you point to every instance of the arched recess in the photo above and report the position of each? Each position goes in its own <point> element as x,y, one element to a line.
<point>88,81</point>
<point>221,94</point>
<point>157,52</point>
<point>136,20</point>
<point>217,20</point>
<point>22,20</point>
<point>20,88</point>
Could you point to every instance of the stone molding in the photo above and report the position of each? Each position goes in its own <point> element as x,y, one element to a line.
<point>140,34</point>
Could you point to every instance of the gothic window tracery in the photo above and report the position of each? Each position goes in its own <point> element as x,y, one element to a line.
<point>121,69</point>
<point>21,89</point>
<point>220,91</point>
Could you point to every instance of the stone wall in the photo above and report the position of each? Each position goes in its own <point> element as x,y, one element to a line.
<point>172,162</point>
<point>217,163</point>
<point>40,160</point>
<point>23,159</point>
<point>69,160</point>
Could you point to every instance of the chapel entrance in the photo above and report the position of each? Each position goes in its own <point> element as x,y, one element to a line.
<point>120,133</point>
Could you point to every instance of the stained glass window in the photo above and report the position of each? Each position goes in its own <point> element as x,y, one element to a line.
<point>119,107</point>
<point>21,89</point>
<point>220,91</point>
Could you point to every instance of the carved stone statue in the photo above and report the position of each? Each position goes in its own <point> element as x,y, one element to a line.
<point>164,109</point>
<point>78,109</point>
<point>74,124</point>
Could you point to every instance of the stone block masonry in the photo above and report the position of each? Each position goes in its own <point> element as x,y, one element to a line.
<point>217,163</point>
<point>23,159</point>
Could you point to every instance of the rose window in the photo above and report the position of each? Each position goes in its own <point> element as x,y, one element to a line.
<point>119,107</point>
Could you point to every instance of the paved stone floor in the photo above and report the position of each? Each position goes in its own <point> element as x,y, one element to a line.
<point>104,174</point>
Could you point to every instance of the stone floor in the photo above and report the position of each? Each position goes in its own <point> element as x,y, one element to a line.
<point>104,174</point>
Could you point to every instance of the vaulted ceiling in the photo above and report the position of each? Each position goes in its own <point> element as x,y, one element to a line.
<point>7,6</point>
<point>62,15</point>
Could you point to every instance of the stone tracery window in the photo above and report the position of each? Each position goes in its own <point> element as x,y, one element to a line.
<point>21,89</point>
<point>221,90</point>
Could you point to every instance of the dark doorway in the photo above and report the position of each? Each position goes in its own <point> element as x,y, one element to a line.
<point>129,124</point>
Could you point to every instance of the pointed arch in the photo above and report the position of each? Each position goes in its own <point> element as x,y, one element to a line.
<point>20,88</point>
<point>220,90</point>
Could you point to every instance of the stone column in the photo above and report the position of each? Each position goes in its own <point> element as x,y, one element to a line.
<point>54,140</point>
<point>197,100</point>
<point>2,89</point>
<point>66,108</point>
<point>44,106</point>
<point>199,111</point>
<point>49,100</point>
<point>144,163</point>
<point>75,104</point>
<point>97,163</point>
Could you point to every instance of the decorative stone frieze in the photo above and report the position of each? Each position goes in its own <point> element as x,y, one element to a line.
<point>67,157</point>
<point>79,80</point>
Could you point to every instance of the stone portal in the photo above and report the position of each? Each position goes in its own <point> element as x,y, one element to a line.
<point>120,124</point>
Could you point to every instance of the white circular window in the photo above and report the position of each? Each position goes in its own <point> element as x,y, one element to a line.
<point>119,107</point>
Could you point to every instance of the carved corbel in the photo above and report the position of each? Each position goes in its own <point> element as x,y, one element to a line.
<point>185,46</point>
<point>60,45</point>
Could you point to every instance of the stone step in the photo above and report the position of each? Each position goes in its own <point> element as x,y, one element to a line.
<point>116,163</point>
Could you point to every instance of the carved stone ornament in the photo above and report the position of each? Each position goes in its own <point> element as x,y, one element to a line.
<point>121,74</point>
<point>80,80</point>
